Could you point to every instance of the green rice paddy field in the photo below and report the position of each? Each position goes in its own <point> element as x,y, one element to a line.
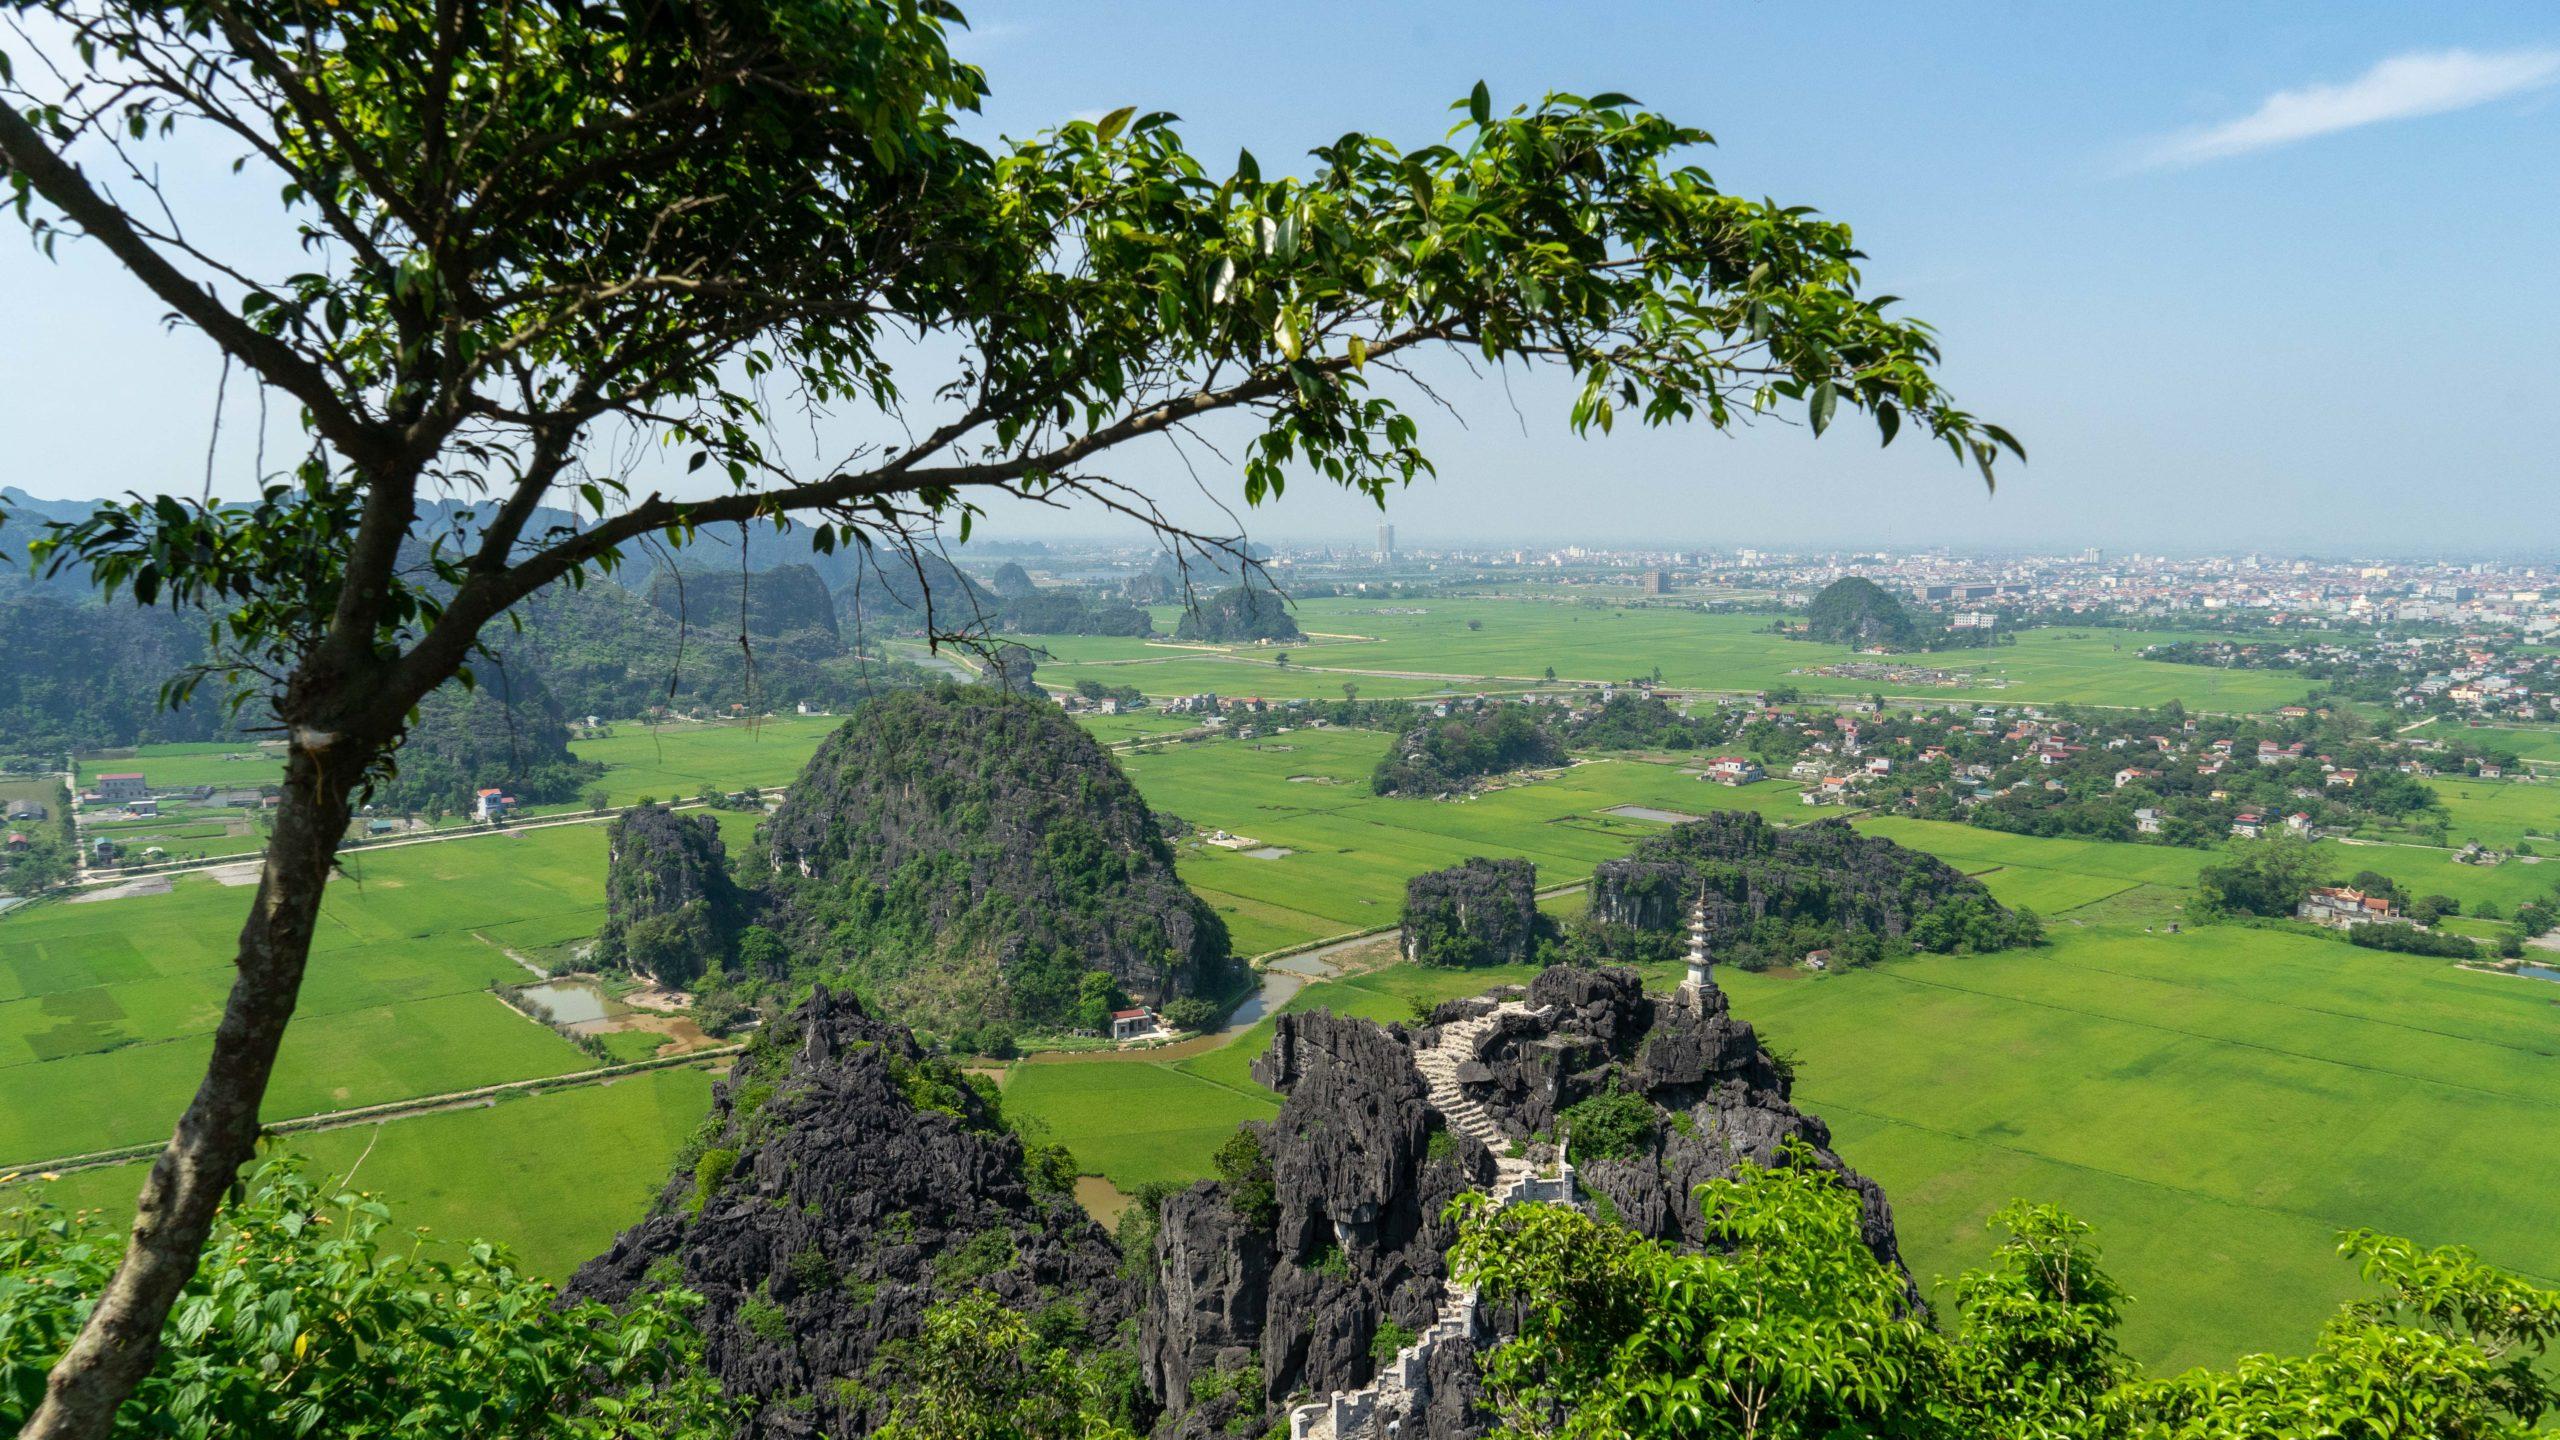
<point>2219,1102</point>
<point>107,1006</point>
<point>1391,647</point>
<point>554,1175</point>
<point>1350,852</point>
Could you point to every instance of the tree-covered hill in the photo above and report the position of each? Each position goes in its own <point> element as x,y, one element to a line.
<point>506,732</point>
<point>785,600</point>
<point>1451,752</point>
<point>76,675</point>
<point>672,910</point>
<point>607,652</point>
<point>964,856</point>
<point>1854,610</point>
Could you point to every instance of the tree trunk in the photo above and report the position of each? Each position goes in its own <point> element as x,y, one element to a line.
<point>116,1349</point>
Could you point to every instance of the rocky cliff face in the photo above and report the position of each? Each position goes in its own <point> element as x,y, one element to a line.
<point>845,1184</point>
<point>671,909</point>
<point>1479,912</point>
<point>1292,1297</point>
<point>1238,615</point>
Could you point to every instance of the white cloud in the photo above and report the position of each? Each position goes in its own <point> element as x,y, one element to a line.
<point>2396,89</point>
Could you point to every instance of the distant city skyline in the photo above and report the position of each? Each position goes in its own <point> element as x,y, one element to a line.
<point>2254,276</point>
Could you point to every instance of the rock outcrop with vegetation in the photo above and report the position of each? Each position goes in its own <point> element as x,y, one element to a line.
<point>672,912</point>
<point>1774,895</point>
<point>1321,1248</point>
<point>1854,610</point>
<point>846,1192</point>
<point>1452,752</point>
<point>1239,615</point>
<point>965,856</point>
<point>1477,912</point>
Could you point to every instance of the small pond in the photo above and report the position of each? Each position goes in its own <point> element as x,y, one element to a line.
<point>2538,972</point>
<point>571,1002</point>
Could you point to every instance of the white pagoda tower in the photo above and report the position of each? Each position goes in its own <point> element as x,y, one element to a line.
<point>1702,966</point>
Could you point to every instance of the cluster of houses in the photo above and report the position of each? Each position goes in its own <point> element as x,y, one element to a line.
<point>2342,906</point>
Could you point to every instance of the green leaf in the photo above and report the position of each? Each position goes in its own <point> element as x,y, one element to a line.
<point>1480,105</point>
<point>1110,125</point>
<point>1824,399</point>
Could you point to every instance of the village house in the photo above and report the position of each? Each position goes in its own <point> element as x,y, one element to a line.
<point>122,786</point>
<point>1734,770</point>
<point>2248,824</point>
<point>491,806</point>
<point>2147,821</point>
<point>2342,906</point>
<point>1137,1023</point>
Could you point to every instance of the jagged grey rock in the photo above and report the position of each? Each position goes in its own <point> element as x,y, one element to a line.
<point>1383,1125</point>
<point>848,1211</point>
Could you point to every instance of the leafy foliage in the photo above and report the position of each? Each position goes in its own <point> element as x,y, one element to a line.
<point>320,1318</point>
<point>2268,877</point>
<point>1788,1326</point>
<point>505,733</point>
<point>979,1371</point>
<point>1638,720</point>
<point>1243,1167</point>
<point>1611,1125</point>
<point>1437,756</point>
<point>2410,940</point>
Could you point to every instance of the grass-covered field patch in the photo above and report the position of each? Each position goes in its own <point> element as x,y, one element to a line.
<point>222,764</point>
<point>1131,1121</point>
<point>553,1176</point>
<point>675,761</point>
<point>107,1008</point>
<point>1352,851</point>
<point>2220,1102</point>
<point>1393,648</point>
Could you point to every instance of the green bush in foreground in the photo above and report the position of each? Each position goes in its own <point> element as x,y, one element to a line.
<point>1791,1327</point>
<point>303,1321</point>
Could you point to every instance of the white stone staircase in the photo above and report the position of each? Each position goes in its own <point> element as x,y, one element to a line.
<point>1346,1414</point>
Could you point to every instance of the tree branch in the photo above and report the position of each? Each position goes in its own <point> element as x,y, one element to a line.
<point>61,184</point>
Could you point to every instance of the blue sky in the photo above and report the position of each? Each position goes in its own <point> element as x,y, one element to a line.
<point>2239,275</point>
